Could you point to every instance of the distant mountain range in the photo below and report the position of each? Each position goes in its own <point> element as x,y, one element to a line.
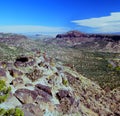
<point>57,85</point>
<point>73,39</point>
<point>100,42</point>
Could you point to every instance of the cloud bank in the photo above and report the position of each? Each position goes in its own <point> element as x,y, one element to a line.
<point>102,24</point>
<point>33,29</point>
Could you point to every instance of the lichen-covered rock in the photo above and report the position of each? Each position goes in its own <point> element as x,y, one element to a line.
<point>2,74</point>
<point>34,75</point>
<point>45,88</point>
<point>33,109</point>
<point>26,96</point>
<point>28,84</point>
<point>20,61</point>
<point>3,64</point>
<point>10,103</point>
<point>43,94</point>
<point>17,81</point>
<point>65,94</point>
<point>15,73</point>
<point>24,61</point>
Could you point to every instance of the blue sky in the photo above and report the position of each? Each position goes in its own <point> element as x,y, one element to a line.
<point>58,16</point>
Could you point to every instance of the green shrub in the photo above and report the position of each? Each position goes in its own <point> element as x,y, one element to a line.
<point>4,91</point>
<point>18,112</point>
<point>117,68</point>
<point>11,112</point>
<point>2,111</point>
<point>65,82</point>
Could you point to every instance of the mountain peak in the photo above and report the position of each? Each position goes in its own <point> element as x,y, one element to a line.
<point>70,34</point>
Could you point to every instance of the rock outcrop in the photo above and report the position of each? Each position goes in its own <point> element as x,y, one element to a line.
<point>49,88</point>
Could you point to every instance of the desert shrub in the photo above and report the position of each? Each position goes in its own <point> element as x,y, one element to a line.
<point>2,111</point>
<point>11,112</point>
<point>117,69</point>
<point>4,91</point>
<point>65,82</point>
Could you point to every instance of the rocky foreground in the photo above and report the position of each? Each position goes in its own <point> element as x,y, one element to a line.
<point>42,87</point>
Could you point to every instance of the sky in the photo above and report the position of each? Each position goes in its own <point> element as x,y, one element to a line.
<point>59,16</point>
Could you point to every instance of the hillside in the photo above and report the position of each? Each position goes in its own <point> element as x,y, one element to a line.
<point>8,52</point>
<point>100,67</point>
<point>89,54</point>
<point>18,40</point>
<point>40,86</point>
<point>94,42</point>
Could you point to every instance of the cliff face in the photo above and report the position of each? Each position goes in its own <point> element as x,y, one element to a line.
<point>100,42</point>
<point>41,86</point>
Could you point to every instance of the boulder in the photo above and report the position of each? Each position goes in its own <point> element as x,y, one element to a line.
<point>28,84</point>
<point>43,95</point>
<point>3,64</point>
<point>31,63</point>
<point>25,95</point>
<point>9,65</point>
<point>36,74</point>
<point>21,61</point>
<point>31,96</point>
<point>45,88</point>
<point>17,81</point>
<point>15,73</point>
<point>65,94</point>
<point>2,74</point>
<point>32,109</point>
<point>65,106</point>
<point>71,79</point>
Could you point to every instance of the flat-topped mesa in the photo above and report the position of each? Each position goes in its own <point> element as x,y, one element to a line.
<point>71,34</point>
<point>76,34</point>
<point>88,41</point>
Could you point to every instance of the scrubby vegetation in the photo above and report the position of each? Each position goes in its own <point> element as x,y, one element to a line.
<point>4,91</point>
<point>93,65</point>
<point>9,53</point>
<point>4,94</point>
<point>11,112</point>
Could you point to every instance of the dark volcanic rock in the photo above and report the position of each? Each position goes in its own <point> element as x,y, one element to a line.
<point>66,101</point>
<point>3,64</point>
<point>26,96</point>
<point>2,73</point>
<point>36,74</point>
<point>45,88</point>
<point>71,79</point>
<point>65,94</point>
<point>22,59</point>
<point>84,41</point>
<point>33,109</point>
<point>71,34</point>
<point>17,81</point>
<point>31,96</point>
<point>15,73</point>
<point>44,92</point>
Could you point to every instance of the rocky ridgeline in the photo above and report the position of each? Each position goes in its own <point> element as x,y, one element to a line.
<point>17,40</point>
<point>42,87</point>
<point>99,42</point>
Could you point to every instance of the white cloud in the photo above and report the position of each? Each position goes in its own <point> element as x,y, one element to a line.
<point>32,28</point>
<point>102,24</point>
